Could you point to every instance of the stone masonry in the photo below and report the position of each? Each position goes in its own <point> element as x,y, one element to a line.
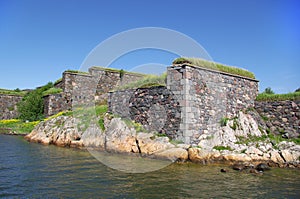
<point>281,117</point>
<point>86,89</point>
<point>201,97</point>
<point>8,106</point>
<point>155,108</point>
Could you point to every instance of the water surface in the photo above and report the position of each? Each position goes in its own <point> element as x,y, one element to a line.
<point>29,170</point>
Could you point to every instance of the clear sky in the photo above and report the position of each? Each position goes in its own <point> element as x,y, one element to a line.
<point>39,39</point>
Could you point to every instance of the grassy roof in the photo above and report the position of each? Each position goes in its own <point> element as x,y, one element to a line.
<point>278,97</point>
<point>77,72</point>
<point>146,82</point>
<point>214,66</point>
<point>52,90</point>
<point>12,92</point>
<point>115,70</point>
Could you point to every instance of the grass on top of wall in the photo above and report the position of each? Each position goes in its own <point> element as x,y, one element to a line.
<point>77,72</point>
<point>12,92</point>
<point>278,97</point>
<point>214,66</point>
<point>52,90</point>
<point>147,82</point>
<point>114,70</point>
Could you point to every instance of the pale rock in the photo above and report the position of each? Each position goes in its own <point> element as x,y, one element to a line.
<point>149,143</point>
<point>275,157</point>
<point>184,146</point>
<point>253,150</point>
<point>237,157</point>
<point>93,137</point>
<point>288,156</point>
<point>173,154</point>
<point>119,137</point>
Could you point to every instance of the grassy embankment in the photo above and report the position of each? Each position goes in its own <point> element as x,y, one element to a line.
<point>278,97</point>
<point>85,115</point>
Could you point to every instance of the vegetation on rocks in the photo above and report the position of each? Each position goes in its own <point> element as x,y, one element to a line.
<point>146,82</point>
<point>278,97</point>
<point>13,92</point>
<point>31,107</point>
<point>214,66</point>
<point>17,126</point>
<point>52,91</point>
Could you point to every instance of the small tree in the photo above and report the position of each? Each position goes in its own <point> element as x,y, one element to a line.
<point>269,91</point>
<point>298,90</point>
<point>31,107</point>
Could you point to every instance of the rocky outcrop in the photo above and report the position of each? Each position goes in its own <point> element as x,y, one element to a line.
<point>117,137</point>
<point>240,140</point>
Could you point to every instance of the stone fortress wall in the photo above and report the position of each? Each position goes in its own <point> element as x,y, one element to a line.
<point>192,103</point>
<point>281,117</point>
<point>8,106</point>
<point>86,89</point>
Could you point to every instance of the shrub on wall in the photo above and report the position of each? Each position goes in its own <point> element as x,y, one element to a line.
<point>31,107</point>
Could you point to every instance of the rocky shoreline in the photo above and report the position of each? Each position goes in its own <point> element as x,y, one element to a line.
<point>240,142</point>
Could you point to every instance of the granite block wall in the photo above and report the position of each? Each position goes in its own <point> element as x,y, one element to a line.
<point>206,96</point>
<point>8,106</point>
<point>54,104</point>
<point>196,98</point>
<point>155,108</point>
<point>281,117</point>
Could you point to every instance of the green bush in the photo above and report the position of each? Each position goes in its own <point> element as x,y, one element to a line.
<point>269,91</point>
<point>31,107</point>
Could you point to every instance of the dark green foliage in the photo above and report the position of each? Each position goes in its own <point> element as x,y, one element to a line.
<point>269,91</point>
<point>223,121</point>
<point>31,107</point>
<point>222,148</point>
<point>122,72</point>
<point>298,90</point>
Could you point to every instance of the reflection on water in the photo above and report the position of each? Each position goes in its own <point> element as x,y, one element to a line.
<point>36,171</point>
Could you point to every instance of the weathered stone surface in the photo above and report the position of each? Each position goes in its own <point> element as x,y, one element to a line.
<point>119,137</point>
<point>149,143</point>
<point>8,106</point>
<point>174,154</point>
<point>281,116</point>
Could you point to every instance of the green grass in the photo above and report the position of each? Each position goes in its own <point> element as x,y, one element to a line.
<point>18,126</point>
<point>222,148</point>
<point>214,66</point>
<point>132,124</point>
<point>12,92</point>
<point>224,121</point>
<point>274,139</point>
<point>52,90</point>
<point>278,97</point>
<point>58,81</point>
<point>89,115</point>
<point>77,72</point>
<point>147,82</point>
<point>122,72</point>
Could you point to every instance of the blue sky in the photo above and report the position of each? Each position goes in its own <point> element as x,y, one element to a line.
<point>39,39</point>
